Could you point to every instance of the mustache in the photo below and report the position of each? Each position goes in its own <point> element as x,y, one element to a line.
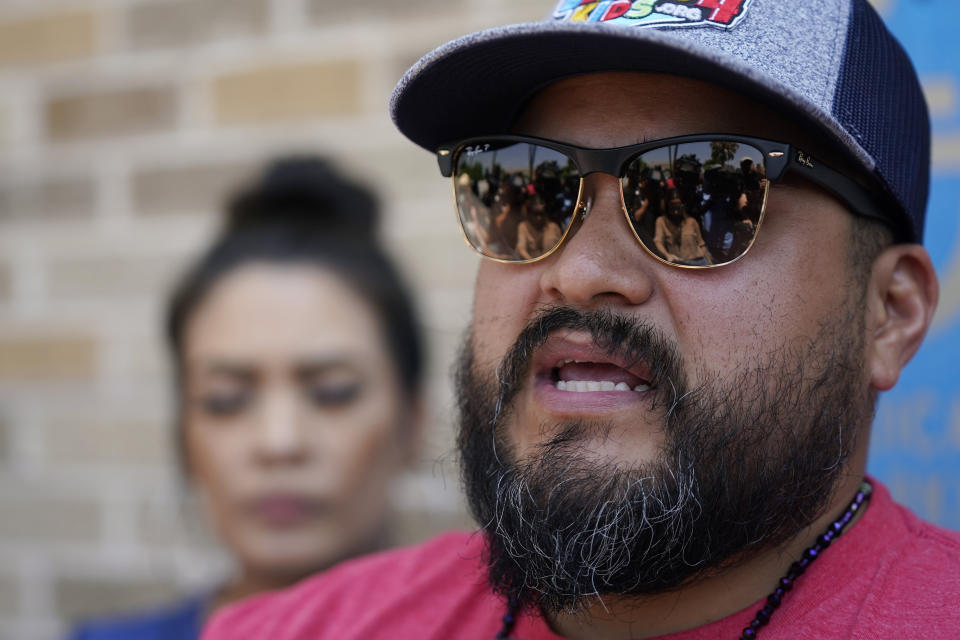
<point>630,339</point>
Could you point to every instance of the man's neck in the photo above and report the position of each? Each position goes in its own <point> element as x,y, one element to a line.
<point>706,600</point>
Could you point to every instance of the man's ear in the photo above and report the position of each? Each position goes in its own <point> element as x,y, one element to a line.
<point>901,298</point>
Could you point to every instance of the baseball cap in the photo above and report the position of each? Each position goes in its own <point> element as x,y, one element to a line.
<point>830,65</point>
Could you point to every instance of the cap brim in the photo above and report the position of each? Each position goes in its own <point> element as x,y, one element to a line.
<point>477,84</point>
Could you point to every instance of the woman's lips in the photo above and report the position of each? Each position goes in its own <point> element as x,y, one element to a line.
<point>285,510</point>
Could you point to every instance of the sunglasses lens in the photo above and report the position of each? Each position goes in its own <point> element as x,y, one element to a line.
<point>515,200</point>
<point>696,203</point>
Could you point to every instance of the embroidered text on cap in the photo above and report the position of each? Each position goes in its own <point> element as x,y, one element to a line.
<point>650,13</point>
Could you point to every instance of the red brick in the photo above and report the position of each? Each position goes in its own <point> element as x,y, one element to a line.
<point>48,38</point>
<point>108,277</point>
<point>48,198</point>
<point>112,113</point>
<point>183,23</point>
<point>128,444</point>
<point>28,517</point>
<point>47,357</point>
<point>324,12</point>
<point>288,92</point>
<point>189,189</point>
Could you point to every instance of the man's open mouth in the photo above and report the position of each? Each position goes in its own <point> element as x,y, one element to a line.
<point>581,376</point>
<point>572,362</point>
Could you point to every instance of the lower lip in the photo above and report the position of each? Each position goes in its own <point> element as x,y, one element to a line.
<point>553,400</point>
<point>283,511</point>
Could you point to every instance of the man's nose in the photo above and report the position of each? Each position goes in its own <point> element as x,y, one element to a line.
<point>280,432</point>
<point>602,263</point>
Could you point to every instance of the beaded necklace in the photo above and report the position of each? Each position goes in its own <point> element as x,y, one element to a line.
<point>785,584</point>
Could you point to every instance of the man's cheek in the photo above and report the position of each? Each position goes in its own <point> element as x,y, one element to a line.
<point>501,310</point>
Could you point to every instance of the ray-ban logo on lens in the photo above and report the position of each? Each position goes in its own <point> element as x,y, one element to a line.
<point>653,13</point>
<point>471,151</point>
<point>804,159</point>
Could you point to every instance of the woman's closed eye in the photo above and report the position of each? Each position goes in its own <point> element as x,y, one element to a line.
<point>332,395</point>
<point>224,403</point>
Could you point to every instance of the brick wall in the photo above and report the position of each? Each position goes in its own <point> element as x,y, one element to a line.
<point>122,122</point>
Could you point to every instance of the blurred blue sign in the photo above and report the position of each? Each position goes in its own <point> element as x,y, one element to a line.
<point>915,446</point>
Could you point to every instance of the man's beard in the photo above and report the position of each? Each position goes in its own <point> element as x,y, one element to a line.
<point>748,461</point>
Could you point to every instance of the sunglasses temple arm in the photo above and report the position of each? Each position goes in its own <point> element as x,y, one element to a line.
<point>852,194</point>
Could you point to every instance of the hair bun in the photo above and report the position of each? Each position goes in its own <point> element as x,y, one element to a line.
<point>307,194</point>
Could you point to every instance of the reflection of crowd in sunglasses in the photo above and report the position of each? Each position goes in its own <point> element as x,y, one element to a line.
<point>687,211</point>
<point>702,213</point>
<point>512,216</point>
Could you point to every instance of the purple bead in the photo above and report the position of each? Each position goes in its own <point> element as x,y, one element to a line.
<point>786,582</point>
<point>763,616</point>
<point>749,633</point>
<point>755,624</point>
<point>780,591</point>
<point>804,561</point>
<point>812,553</point>
<point>773,599</point>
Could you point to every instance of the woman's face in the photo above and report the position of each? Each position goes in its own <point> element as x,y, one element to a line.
<point>676,210</point>
<point>295,420</point>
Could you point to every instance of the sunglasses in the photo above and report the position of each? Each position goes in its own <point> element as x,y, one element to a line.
<point>692,201</point>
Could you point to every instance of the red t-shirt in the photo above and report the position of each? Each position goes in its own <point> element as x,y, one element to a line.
<point>891,576</point>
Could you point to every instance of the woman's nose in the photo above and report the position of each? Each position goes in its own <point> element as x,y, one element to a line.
<point>281,436</point>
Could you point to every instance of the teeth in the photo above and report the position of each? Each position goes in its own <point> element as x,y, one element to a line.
<point>583,386</point>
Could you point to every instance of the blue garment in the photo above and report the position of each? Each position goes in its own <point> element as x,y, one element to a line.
<point>181,621</point>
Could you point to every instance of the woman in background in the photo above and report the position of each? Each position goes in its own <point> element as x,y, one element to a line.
<point>298,367</point>
<point>677,236</point>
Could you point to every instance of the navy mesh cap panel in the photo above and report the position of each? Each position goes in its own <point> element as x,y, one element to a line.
<point>880,102</point>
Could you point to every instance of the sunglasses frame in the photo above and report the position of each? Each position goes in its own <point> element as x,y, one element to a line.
<point>780,159</point>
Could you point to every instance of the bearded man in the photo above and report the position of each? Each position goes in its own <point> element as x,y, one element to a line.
<point>655,448</point>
